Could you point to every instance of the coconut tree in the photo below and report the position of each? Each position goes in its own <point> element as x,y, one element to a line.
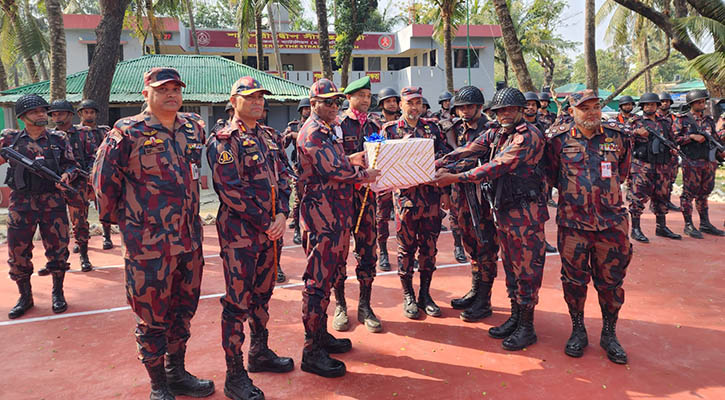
<point>57,49</point>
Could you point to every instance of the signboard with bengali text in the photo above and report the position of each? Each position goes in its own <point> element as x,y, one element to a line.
<point>291,40</point>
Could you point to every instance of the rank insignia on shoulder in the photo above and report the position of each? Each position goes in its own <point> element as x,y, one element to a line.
<point>150,133</point>
<point>225,157</point>
<point>609,140</point>
<point>188,125</point>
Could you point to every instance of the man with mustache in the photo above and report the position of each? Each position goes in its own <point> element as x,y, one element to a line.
<point>36,202</point>
<point>626,105</point>
<point>146,177</point>
<point>514,150</point>
<point>587,162</point>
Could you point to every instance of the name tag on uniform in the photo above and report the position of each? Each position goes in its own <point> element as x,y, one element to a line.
<point>194,171</point>
<point>606,169</point>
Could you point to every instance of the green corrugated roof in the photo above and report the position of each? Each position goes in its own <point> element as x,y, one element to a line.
<point>687,86</point>
<point>208,80</point>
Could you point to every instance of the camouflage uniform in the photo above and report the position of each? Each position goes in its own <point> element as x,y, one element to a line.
<point>546,119</point>
<point>82,141</point>
<point>442,114</point>
<point>38,203</point>
<point>698,172</point>
<point>220,124</point>
<point>246,169</point>
<point>146,180</point>
<point>673,167</point>
<point>293,126</point>
<point>326,214</point>
<point>650,172</point>
<point>592,224</point>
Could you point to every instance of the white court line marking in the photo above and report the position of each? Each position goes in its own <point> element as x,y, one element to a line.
<point>204,297</point>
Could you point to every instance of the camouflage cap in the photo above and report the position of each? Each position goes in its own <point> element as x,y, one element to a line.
<point>362,83</point>
<point>576,99</point>
<point>156,77</point>
<point>246,86</point>
<point>324,88</point>
<point>411,92</point>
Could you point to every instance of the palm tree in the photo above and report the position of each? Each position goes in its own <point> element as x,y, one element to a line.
<point>20,36</point>
<point>711,65</point>
<point>450,13</point>
<point>590,48</point>
<point>513,46</point>
<point>57,49</point>
<point>250,12</point>
<point>3,77</point>
<point>324,41</point>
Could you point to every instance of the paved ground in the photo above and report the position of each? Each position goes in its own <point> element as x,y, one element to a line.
<point>672,325</point>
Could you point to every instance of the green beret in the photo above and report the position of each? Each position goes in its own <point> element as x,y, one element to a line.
<point>362,83</point>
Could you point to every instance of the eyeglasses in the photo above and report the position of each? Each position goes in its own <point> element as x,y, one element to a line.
<point>333,101</point>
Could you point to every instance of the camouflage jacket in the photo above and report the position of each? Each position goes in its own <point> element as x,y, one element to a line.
<point>82,141</point>
<point>326,178</point>
<point>442,114</point>
<point>146,180</point>
<point>353,134</point>
<point>643,145</point>
<point>588,174</point>
<point>425,195</point>
<point>246,169</point>
<point>546,120</point>
<point>513,161</point>
<point>99,133</point>
<point>220,124</point>
<point>53,150</point>
<point>690,123</point>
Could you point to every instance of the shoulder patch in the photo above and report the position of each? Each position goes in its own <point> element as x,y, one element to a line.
<point>522,127</point>
<point>225,157</point>
<point>58,133</point>
<point>518,139</point>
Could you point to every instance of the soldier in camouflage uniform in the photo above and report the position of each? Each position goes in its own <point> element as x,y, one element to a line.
<point>389,103</point>
<point>221,123</point>
<point>650,168</point>
<point>327,178</point>
<point>588,162</point>
<point>626,105</point>
<point>88,111</point>
<point>247,176</point>
<point>672,167</point>
<point>356,124</point>
<point>484,251</point>
<point>698,169</point>
<point>290,138</point>
<point>36,202</point>
<point>82,141</point>
<point>146,178</point>
<point>514,170</point>
<point>444,100</point>
<point>417,209</point>
<point>546,117</point>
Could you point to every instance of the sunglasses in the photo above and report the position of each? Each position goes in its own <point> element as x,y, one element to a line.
<point>333,100</point>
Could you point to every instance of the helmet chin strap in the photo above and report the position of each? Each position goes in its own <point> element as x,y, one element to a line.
<point>42,122</point>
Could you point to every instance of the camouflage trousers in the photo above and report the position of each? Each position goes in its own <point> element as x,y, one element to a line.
<point>418,229</point>
<point>382,215</point>
<point>78,212</point>
<point>698,181</point>
<point>649,182</point>
<point>296,192</point>
<point>326,258</point>
<point>673,168</point>
<point>483,255</point>
<point>601,255</point>
<point>53,224</point>
<point>364,246</point>
<point>453,217</point>
<point>523,251</point>
<point>249,273</point>
<point>164,294</point>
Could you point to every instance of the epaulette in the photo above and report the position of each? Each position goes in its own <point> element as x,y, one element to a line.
<point>9,131</point>
<point>194,117</point>
<point>124,124</point>
<point>522,127</point>
<point>220,121</point>
<point>389,124</point>
<point>616,126</point>
<point>293,122</point>
<point>104,127</point>
<point>556,130</point>
<point>57,132</point>
<point>447,124</point>
<point>225,132</point>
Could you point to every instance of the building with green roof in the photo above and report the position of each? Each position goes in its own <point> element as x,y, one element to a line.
<point>208,82</point>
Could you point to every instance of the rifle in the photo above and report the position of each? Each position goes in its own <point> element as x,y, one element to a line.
<point>475,209</point>
<point>714,144</point>
<point>668,143</point>
<point>35,167</point>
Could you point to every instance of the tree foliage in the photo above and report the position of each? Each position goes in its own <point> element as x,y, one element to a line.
<point>350,23</point>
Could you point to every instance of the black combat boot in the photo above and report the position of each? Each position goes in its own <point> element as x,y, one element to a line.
<point>424,300</point>
<point>549,248</point>
<point>316,360</point>
<point>76,248</point>
<point>609,342</point>
<point>637,231</point>
<point>524,335</point>
<point>25,302</point>
<point>159,386</point>
<point>44,271</point>
<point>663,230</point>
<point>481,306</point>
<point>85,262</point>
<point>365,314</point>
<point>107,244</point>
<point>297,238</point>
<point>410,307</point>
<point>706,226</point>
<point>263,359</point>
<point>292,224</point>
<point>672,207</point>
<point>181,382</point>
<point>458,252</point>
<point>578,339</point>
<point>340,321</point>
<point>383,261</point>
<point>238,385</point>
<point>690,228</point>
<point>57,297</point>
<point>468,298</point>
<point>281,277</point>
<point>509,326</point>
<point>331,344</point>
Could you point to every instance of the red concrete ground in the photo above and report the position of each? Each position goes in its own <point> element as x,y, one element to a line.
<point>672,326</point>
